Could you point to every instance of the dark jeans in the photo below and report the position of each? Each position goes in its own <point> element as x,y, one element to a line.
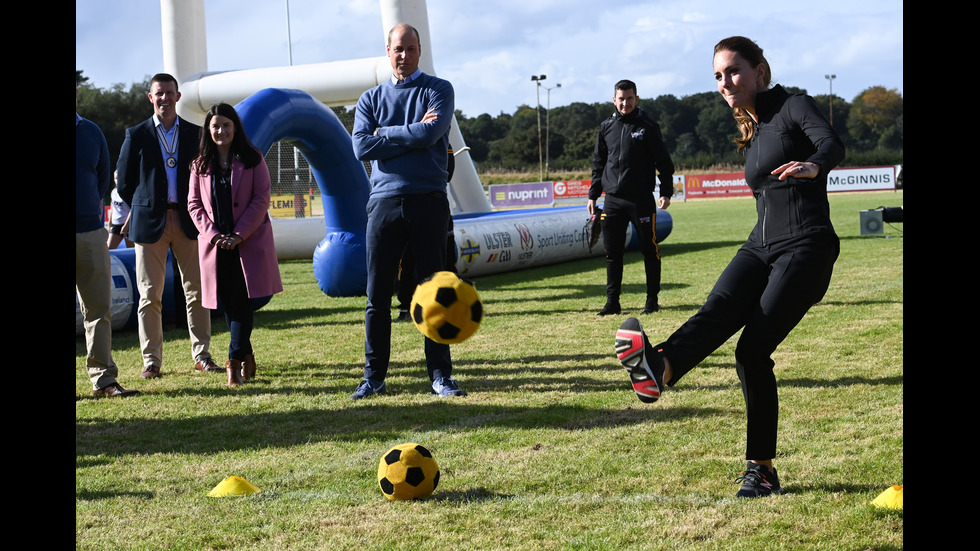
<point>408,279</point>
<point>420,223</point>
<point>239,310</point>
<point>617,214</point>
<point>765,291</point>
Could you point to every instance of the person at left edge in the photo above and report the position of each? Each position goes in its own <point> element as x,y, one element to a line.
<point>229,203</point>
<point>118,218</point>
<point>402,127</point>
<point>153,174</point>
<point>93,272</point>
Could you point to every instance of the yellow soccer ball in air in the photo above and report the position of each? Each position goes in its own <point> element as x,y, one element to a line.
<point>446,308</point>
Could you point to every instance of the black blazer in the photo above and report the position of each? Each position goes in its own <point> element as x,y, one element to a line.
<point>142,179</point>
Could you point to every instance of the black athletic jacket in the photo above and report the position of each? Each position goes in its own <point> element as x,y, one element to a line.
<point>790,128</point>
<point>629,152</point>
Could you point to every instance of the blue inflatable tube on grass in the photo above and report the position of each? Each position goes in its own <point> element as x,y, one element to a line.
<point>296,117</point>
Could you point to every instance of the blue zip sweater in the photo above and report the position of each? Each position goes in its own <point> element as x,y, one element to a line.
<point>407,156</point>
<point>91,175</point>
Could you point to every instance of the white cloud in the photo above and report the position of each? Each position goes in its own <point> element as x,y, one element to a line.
<point>490,49</point>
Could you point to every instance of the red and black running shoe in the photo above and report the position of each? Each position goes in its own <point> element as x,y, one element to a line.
<point>644,364</point>
<point>758,481</point>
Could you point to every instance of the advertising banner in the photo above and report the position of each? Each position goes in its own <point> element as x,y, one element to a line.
<point>732,184</point>
<point>535,194</point>
<point>729,184</point>
<point>861,179</point>
<point>289,206</point>
<point>679,188</point>
<point>579,189</point>
<point>572,189</point>
<point>521,239</point>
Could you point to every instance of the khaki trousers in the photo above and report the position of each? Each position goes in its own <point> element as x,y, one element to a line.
<point>93,285</point>
<point>151,275</point>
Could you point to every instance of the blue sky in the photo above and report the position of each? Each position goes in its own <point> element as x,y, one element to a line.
<point>490,49</point>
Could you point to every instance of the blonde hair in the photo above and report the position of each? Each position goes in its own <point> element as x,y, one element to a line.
<point>751,52</point>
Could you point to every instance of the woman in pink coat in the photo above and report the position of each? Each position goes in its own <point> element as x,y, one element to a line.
<point>229,203</point>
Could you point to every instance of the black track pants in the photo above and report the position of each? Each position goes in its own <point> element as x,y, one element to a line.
<point>765,291</point>
<point>617,214</point>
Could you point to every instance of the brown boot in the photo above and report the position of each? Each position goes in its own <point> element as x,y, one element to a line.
<point>234,369</point>
<point>248,367</point>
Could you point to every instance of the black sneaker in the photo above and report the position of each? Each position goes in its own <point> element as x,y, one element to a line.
<point>644,364</point>
<point>610,309</point>
<point>403,315</point>
<point>758,481</point>
<point>651,306</point>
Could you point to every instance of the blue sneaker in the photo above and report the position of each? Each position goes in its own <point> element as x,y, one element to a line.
<point>446,386</point>
<point>367,388</point>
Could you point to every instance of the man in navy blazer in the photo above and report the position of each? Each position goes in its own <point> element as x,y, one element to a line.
<point>153,175</point>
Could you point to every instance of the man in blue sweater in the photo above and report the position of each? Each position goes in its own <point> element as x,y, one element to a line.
<point>93,275</point>
<point>402,127</point>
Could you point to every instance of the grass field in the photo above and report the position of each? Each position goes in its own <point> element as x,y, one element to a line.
<point>550,450</point>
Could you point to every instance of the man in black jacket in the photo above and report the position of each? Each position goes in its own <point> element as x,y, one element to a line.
<point>629,153</point>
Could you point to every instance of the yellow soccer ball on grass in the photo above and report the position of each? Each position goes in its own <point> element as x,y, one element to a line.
<point>407,471</point>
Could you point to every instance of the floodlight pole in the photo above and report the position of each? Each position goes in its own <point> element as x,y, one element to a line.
<point>538,79</point>
<point>830,78</point>
<point>289,36</point>
<point>547,133</point>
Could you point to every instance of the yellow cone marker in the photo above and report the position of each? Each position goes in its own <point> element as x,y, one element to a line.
<point>891,498</point>
<point>233,486</point>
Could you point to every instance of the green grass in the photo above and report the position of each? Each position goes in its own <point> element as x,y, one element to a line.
<point>550,450</point>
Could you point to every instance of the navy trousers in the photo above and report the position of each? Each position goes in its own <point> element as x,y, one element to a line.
<point>239,309</point>
<point>765,291</point>
<point>419,222</point>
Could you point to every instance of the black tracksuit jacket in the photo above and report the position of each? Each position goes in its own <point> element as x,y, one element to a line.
<point>629,151</point>
<point>790,128</point>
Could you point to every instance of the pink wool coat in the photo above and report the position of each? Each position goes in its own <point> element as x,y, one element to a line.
<point>250,189</point>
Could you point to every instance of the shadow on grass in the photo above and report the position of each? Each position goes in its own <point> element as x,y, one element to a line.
<point>379,419</point>
<point>542,373</point>
<point>595,290</point>
<point>859,302</point>
<point>531,276</point>
<point>835,489</point>
<point>294,318</point>
<point>95,496</point>
<point>668,248</point>
<point>842,382</point>
<point>870,237</point>
<point>268,318</point>
<point>472,495</point>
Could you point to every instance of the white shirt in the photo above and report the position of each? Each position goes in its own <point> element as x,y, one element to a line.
<point>410,78</point>
<point>168,141</point>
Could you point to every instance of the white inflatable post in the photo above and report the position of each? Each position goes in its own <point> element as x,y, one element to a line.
<point>185,48</point>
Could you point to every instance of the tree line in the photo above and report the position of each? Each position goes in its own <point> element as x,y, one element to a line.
<point>698,129</point>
